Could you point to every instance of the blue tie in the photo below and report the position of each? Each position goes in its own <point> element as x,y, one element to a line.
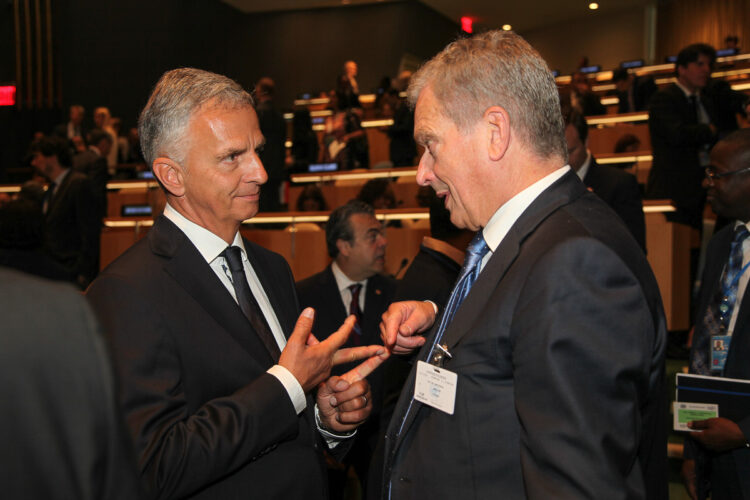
<point>719,312</point>
<point>474,252</point>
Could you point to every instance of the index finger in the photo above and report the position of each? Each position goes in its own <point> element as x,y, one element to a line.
<point>365,368</point>
<point>337,338</point>
<point>351,354</point>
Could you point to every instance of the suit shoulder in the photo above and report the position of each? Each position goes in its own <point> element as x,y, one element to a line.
<point>312,283</point>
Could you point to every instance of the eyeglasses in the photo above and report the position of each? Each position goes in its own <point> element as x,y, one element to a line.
<point>712,175</point>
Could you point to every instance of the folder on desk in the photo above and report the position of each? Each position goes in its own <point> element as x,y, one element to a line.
<point>731,394</point>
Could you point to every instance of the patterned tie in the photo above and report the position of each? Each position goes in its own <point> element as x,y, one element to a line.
<point>719,312</point>
<point>474,252</point>
<point>356,337</point>
<point>246,300</point>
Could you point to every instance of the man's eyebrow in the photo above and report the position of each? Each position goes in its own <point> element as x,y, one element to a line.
<point>229,152</point>
<point>424,136</point>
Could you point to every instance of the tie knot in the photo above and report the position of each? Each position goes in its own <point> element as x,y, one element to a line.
<point>476,250</point>
<point>741,233</point>
<point>233,256</point>
<point>355,288</point>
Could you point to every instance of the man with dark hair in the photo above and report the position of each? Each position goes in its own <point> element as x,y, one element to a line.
<point>717,456</point>
<point>581,96</point>
<point>353,284</point>
<point>93,163</point>
<point>634,92</point>
<point>216,379</point>
<point>72,211</point>
<point>682,126</point>
<point>618,189</point>
<point>542,377</point>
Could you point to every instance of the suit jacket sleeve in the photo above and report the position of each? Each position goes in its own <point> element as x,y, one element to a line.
<point>582,338</point>
<point>179,450</point>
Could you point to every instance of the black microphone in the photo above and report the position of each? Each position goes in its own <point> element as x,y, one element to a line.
<point>404,261</point>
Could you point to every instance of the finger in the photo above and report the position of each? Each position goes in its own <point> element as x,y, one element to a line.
<point>362,370</point>
<point>411,342</point>
<point>698,424</point>
<point>338,338</point>
<point>311,340</point>
<point>303,327</point>
<point>351,354</point>
<point>355,397</point>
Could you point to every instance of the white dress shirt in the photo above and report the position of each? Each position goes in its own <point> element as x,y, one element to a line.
<point>210,247</point>
<point>343,283</point>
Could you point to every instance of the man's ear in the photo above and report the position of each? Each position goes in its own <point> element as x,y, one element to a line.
<point>170,174</point>
<point>344,247</point>
<point>497,121</point>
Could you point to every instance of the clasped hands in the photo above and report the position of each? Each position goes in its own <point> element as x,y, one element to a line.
<point>343,402</point>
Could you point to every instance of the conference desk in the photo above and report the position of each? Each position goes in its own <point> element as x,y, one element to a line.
<point>303,245</point>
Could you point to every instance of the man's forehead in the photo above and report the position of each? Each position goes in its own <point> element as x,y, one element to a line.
<point>364,222</point>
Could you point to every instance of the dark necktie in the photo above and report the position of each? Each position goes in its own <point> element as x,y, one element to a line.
<point>48,196</point>
<point>356,336</point>
<point>719,311</point>
<point>246,300</point>
<point>474,252</point>
<point>694,107</point>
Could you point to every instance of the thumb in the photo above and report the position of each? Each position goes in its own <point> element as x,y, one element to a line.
<point>303,327</point>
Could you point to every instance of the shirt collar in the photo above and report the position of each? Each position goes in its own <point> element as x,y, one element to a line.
<point>208,244</point>
<point>581,172</point>
<point>60,178</point>
<point>342,280</point>
<point>686,91</point>
<point>507,215</point>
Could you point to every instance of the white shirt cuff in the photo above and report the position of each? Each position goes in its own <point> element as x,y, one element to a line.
<point>332,439</point>
<point>296,394</point>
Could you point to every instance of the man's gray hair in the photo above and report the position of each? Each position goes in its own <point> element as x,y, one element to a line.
<point>497,68</point>
<point>179,94</point>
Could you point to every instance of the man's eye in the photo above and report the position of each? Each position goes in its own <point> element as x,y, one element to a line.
<point>259,149</point>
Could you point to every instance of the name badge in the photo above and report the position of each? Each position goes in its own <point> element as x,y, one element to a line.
<point>687,412</point>
<point>436,387</point>
<point>719,351</point>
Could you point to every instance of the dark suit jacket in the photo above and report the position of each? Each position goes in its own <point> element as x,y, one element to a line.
<point>737,366</point>
<point>676,138</point>
<point>94,166</point>
<point>62,432</point>
<point>620,191</point>
<point>559,352</point>
<point>73,225</point>
<point>207,420</point>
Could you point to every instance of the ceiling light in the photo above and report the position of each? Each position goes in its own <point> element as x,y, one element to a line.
<point>507,27</point>
<point>593,6</point>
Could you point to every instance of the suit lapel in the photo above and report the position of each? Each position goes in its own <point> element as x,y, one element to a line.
<point>54,201</point>
<point>374,301</point>
<point>188,268</point>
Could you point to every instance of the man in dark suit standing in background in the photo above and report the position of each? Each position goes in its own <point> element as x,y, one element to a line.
<point>617,188</point>
<point>215,390</point>
<point>543,375</point>
<point>717,457</point>
<point>93,164</point>
<point>353,284</point>
<point>682,126</point>
<point>72,211</point>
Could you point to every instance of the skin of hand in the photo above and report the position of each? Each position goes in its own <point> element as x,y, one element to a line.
<point>402,321</point>
<point>717,434</point>
<point>311,361</point>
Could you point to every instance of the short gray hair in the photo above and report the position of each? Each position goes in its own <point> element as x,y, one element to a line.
<point>496,68</point>
<point>178,94</point>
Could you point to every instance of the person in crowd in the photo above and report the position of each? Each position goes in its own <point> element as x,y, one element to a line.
<point>311,199</point>
<point>217,381</point>
<point>61,428</point>
<point>74,127</point>
<point>378,193</point>
<point>581,96</point>
<point>305,147</point>
<point>273,155</point>
<point>682,127</point>
<point>617,188</point>
<point>347,89</point>
<point>543,375</point>
<point>402,147</point>
<point>634,92</point>
<point>72,213</point>
<point>346,141</point>
<point>353,284</point>
<point>93,163</point>
<point>628,143</point>
<point>717,462</point>
<point>103,121</point>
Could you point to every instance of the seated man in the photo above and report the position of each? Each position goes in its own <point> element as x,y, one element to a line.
<point>618,189</point>
<point>352,284</point>
<point>214,388</point>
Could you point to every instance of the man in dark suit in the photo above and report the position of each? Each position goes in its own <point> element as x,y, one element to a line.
<point>634,92</point>
<point>543,375</point>
<point>617,188</point>
<point>273,156</point>
<point>92,162</point>
<point>62,432</point>
<point>682,126</point>
<point>72,211</point>
<point>353,284</point>
<point>215,391</point>
<point>74,126</point>
<point>718,454</point>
